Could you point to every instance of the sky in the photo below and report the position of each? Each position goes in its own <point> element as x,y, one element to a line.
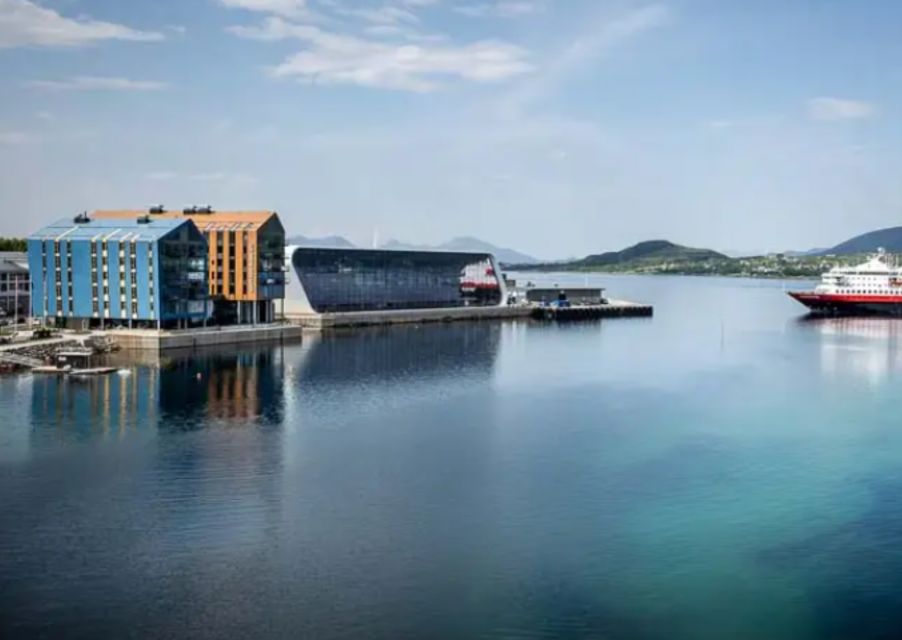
<point>556,127</point>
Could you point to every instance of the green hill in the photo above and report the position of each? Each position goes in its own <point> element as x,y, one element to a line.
<point>652,256</point>
<point>650,252</point>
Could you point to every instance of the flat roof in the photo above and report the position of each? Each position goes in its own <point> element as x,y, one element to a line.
<point>12,261</point>
<point>291,249</point>
<point>111,229</point>
<point>213,221</point>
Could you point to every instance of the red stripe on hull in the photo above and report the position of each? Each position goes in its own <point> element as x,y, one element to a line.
<point>850,303</point>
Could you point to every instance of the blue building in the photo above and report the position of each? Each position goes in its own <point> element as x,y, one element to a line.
<point>144,272</point>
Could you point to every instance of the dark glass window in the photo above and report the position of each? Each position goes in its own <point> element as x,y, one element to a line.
<point>362,280</point>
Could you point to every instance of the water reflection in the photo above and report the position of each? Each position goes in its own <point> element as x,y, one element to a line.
<point>188,391</point>
<point>225,386</point>
<point>132,530</point>
<point>471,480</point>
<point>348,375</point>
<point>78,409</point>
<point>400,353</point>
<point>864,347</point>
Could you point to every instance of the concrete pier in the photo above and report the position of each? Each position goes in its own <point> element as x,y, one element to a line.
<point>153,340</point>
<point>327,321</point>
<point>614,309</point>
<point>324,321</point>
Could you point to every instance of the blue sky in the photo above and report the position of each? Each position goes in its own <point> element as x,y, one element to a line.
<point>558,127</point>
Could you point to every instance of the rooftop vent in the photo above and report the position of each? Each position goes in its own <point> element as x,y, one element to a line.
<point>189,210</point>
<point>158,209</point>
<point>206,210</point>
<point>145,219</point>
<point>82,218</point>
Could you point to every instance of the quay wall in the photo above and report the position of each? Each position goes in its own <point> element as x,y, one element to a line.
<point>149,340</point>
<point>326,321</point>
<point>321,321</point>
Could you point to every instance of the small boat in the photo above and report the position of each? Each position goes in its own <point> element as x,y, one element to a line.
<point>95,371</point>
<point>76,364</point>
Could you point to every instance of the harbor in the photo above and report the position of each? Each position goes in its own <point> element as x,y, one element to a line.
<point>450,319</point>
<point>158,280</point>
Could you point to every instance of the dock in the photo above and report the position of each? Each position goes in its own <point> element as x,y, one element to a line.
<point>351,319</point>
<point>75,373</point>
<point>613,309</point>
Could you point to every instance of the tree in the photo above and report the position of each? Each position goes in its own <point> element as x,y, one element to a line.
<point>13,244</point>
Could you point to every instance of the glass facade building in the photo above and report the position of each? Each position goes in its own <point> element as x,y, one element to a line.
<point>344,280</point>
<point>140,272</point>
<point>246,270</point>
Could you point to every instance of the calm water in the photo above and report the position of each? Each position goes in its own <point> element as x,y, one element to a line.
<point>724,470</point>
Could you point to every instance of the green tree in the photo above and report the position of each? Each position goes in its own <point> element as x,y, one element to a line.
<point>13,244</point>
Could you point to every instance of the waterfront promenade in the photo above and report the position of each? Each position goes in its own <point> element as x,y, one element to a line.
<point>164,340</point>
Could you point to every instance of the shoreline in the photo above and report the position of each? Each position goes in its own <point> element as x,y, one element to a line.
<point>668,273</point>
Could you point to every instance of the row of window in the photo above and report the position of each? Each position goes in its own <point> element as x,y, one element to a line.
<point>98,249</point>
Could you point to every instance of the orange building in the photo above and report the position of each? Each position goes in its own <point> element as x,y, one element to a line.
<point>246,259</point>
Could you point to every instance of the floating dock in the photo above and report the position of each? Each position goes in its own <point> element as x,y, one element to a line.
<point>75,373</point>
<point>351,319</point>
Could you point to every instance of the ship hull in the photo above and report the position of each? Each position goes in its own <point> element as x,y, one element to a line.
<point>851,305</point>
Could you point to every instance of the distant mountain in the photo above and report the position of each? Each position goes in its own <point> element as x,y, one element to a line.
<point>467,243</point>
<point>330,242</point>
<point>890,239</point>
<point>651,251</point>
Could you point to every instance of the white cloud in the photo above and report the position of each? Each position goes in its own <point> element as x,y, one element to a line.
<point>832,109</point>
<point>399,32</point>
<point>286,8</point>
<point>385,15</point>
<point>502,9</point>
<point>94,83</point>
<point>601,36</point>
<point>23,23</point>
<point>333,58</point>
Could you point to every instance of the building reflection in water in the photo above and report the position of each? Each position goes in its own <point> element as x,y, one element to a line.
<point>80,409</point>
<point>188,391</point>
<point>262,386</point>
<point>227,386</point>
<point>354,373</point>
<point>411,354</point>
<point>863,347</point>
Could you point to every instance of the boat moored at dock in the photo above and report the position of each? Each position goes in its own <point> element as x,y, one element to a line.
<point>874,287</point>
